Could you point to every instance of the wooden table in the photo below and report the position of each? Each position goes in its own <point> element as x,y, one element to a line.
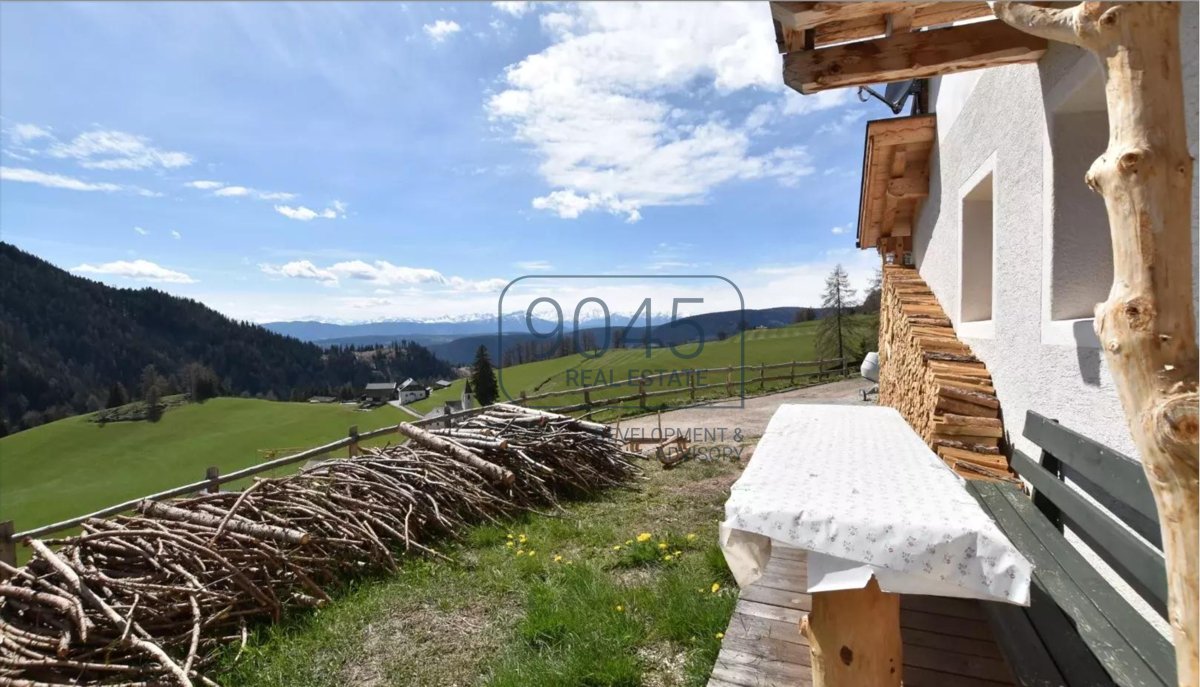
<point>878,515</point>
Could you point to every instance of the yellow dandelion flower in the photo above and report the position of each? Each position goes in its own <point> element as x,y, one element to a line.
<point>691,536</point>
<point>522,538</point>
<point>520,552</point>
<point>509,544</point>
<point>720,635</point>
<point>662,545</point>
<point>620,608</point>
<point>667,557</point>
<point>617,547</point>
<point>678,553</point>
<point>558,559</point>
<point>510,535</point>
<point>644,537</point>
<point>628,542</point>
<point>716,587</point>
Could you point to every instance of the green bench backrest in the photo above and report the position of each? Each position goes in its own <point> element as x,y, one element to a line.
<point>1113,480</point>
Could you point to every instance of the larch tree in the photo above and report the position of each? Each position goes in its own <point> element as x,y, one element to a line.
<point>836,330</point>
<point>1147,326</point>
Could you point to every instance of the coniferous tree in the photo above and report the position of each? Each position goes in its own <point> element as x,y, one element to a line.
<point>483,378</point>
<point>117,396</point>
<point>838,332</point>
<point>154,410</point>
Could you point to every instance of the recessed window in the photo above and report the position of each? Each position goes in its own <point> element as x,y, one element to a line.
<point>1081,267</point>
<point>977,212</point>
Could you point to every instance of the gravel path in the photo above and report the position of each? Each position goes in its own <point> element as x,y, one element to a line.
<point>724,422</point>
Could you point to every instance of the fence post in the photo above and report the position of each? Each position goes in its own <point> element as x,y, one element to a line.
<point>352,434</point>
<point>524,401</point>
<point>642,392</point>
<point>692,384</point>
<point>212,474</point>
<point>8,547</point>
<point>762,377</point>
<point>729,381</point>
<point>793,380</point>
<point>587,399</point>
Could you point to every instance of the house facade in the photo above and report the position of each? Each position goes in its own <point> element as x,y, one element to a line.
<point>1013,243</point>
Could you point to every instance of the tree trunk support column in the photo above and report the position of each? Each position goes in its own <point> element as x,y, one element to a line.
<point>854,636</point>
<point>1147,326</point>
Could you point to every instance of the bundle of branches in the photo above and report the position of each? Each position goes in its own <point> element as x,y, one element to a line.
<point>148,598</point>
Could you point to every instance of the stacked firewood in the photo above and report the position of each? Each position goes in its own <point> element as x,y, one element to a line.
<point>149,598</point>
<point>934,380</point>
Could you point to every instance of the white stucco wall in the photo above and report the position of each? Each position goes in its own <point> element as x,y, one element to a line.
<point>1037,128</point>
<point>1006,117</point>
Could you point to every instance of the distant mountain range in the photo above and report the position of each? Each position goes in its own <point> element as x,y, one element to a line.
<point>457,341</point>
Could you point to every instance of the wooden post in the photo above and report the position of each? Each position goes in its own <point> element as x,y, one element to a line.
<point>729,381</point>
<point>524,400</point>
<point>792,382</point>
<point>660,434</point>
<point>352,434</point>
<point>587,399</point>
<point>212,474</point>
<point>1147,326</point>
<point>8,547</point>
<point>762,377</point>
<point>854,637</point>
<point>692,384</point>
<point>642,392</point>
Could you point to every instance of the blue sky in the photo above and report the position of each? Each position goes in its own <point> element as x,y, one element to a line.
<point>352,162</point>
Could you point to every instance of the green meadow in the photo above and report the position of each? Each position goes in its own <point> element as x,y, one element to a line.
<point>74,466</point>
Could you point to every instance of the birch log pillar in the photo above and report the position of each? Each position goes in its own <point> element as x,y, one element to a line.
<point>1147,326</point>
<point>854,636</point>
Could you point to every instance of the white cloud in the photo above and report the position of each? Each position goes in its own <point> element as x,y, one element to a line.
<point>22,134</point>
<point>301,269</point>
<point>534,265</point>
<point>516,8</point>
<point>31,176</point>
<point>304,214</point>
<point>839,230</point>
<point>381,274</point>
<point>140,231</point>
<point>141,270</point>
<point>441,29</point>
<point>220,188</point>
<point>596,105</point>
<point>117,150</point>
<point>176,235</point>
<point>204,185</point>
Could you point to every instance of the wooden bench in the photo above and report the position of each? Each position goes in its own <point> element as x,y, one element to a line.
<point>1078,630</point>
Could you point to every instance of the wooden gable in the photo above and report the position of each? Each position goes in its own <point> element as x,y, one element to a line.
<point>895,180</point>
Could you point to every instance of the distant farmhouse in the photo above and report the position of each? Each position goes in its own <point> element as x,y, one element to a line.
<point>411,391</point>
<point>465,402</point>
<point>380,392</point>
<point>405,392</point>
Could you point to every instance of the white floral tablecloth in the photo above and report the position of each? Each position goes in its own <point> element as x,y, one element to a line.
<point>858,489</point>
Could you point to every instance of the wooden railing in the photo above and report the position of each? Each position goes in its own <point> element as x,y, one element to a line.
<point>213,479</point>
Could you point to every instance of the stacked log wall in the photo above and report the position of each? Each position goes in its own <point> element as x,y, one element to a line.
<point>935,381</point>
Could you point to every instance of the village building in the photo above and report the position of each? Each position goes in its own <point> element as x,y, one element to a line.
<point>409,391</point>
<point>380,392</point>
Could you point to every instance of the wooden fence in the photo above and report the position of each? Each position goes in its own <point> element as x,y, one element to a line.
<point>213,479</point>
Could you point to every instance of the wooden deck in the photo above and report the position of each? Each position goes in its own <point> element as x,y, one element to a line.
<point>947,642</point>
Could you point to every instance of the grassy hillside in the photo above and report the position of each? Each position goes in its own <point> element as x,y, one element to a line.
<point>73,466</point>
<point>764,346</point>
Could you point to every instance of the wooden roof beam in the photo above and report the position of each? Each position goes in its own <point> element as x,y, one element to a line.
<point>910,56</point>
